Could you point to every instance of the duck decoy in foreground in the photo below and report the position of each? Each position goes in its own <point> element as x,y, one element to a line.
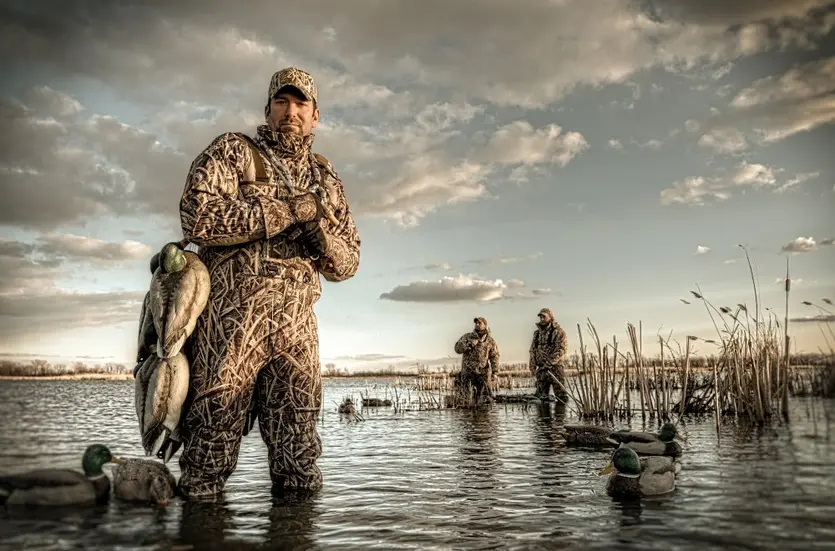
<point>648,443</point>
<point>160,390</point>
<point>179,293</point>
<point>61,487</point>
<point>143,480</point>
<point>631,476</point>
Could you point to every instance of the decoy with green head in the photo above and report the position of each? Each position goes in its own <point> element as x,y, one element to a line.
<point>631,476</point>
<point>648,443</point>
<point>61,487</point>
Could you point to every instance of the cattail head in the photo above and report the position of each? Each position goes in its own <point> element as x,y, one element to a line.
<point>695,294</point>
<point>826,300</point>
<point>806,303</point>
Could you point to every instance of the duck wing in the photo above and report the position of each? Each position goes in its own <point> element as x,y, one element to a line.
<point>147,331</point>
<point>46,487</point>
<point>140,389</point>
<point>164,398</point>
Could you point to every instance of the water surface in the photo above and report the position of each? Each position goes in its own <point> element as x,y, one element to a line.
<point>498,478</point>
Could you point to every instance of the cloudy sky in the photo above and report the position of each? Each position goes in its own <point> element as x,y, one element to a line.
<point>600,158</point>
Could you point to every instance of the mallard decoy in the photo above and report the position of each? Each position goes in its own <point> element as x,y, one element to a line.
<point>160,391</point>
<point>589,435</point>
<point>61,487</point>
<point>349,410</point>
<point>648,443</point>
<point>179,293</point>
<point>632,476</point>
<point>143,480</point>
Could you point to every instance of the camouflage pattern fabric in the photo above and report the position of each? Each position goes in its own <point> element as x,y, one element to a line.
<point>257,338</point>
<point>547,353</point>
<point>479,361</point>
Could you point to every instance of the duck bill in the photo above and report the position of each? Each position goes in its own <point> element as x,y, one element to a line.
<point>117,460</point>
<point>608,469</point>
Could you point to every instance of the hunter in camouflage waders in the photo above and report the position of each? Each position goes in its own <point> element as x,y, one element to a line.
<point>265,231</point>
<point>479,362</point>
<point>547,353</point>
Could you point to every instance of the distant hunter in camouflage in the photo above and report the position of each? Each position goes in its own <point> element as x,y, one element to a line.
<point>269,216</point>
<point>547,353</point>
<point>480,359</point>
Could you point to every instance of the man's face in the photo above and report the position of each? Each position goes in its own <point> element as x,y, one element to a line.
<point>479,326</point>
<point>290,113</point>
<point>544,319</point>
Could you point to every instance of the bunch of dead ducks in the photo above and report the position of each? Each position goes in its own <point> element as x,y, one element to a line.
<point>178,295</point>
<point>643,463</point>
<point>134,480</point>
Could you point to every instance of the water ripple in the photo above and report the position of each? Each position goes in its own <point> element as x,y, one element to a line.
<point>495,479</point>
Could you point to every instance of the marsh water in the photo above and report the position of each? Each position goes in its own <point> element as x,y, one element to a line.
<point>496,478</point>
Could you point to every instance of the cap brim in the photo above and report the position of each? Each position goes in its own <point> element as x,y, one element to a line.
<point>295,89</point>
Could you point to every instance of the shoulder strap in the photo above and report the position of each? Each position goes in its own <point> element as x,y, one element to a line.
<point>260,172</point>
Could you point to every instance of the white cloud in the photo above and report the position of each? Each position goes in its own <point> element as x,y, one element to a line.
<point>755,174</point>
<point>723,140</point>
<point>776,107</point>
<point>795,181</point>
<point>615,144</point>
<point>800,245</point>
<point>693,191</point>
<point>699,190</point>
<point>701,249</point>
<point>448,289</point>
<point>33,304</point>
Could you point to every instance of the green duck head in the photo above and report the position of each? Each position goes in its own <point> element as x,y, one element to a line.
<point>625,461</point>
<point>95,456</point>
<point>172,258</point>
<point>668,432</point>
<point>154,263</point>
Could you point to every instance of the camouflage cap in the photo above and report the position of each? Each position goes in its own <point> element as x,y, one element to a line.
<point>482,320</point>
<point>291,76</point>
<point>547,312</point>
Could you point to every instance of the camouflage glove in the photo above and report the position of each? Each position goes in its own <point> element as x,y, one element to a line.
<point>313,238</point>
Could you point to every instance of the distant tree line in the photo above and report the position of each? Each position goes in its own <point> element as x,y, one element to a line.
<point>42,368</point>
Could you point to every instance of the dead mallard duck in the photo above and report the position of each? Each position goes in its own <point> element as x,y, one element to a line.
<point>143,480</point>
<point>631,476</point>
<point>650,443</point>
<point>160,391</point>
<point>179,293</point>
<point>61,487</point>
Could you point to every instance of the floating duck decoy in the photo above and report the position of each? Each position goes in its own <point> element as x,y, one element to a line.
<point>631,476</point>
<point>589,435</point>
<point>650,443</point>
<point>143,480</point>
<point>160,391</point>
<point>179,293</point>
<point>61,487</point>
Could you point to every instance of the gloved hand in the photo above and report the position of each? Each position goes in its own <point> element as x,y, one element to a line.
<point>313,238</point>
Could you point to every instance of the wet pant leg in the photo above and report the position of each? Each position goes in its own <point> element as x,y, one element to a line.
<point>230,344</point>
<point>289,394</point>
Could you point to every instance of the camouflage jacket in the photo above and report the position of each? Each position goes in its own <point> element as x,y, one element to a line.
<point>548,346</point>
<point>235,217</point>
<point>476,357</point>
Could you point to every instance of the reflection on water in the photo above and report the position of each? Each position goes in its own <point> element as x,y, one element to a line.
<point>497,477</point>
